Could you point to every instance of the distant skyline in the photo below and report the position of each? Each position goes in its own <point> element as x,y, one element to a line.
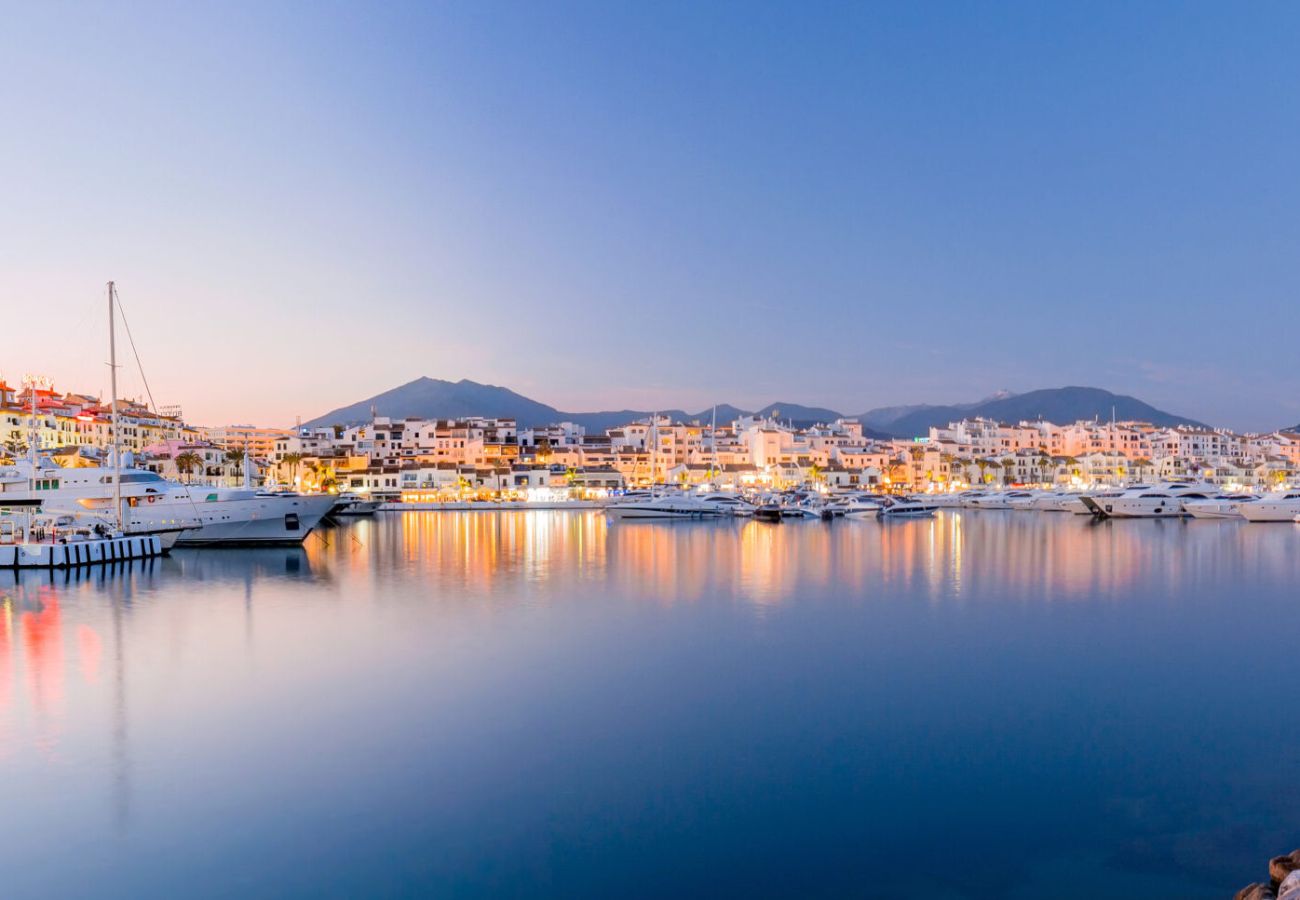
<point>670,205</point>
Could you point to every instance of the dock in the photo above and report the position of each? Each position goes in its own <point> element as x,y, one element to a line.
<point>56,555</point>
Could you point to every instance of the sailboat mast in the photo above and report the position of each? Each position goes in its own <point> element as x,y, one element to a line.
<point>654,452</point>
<point>117,447</point>
<point>713,445</point>
<point>33,436</point>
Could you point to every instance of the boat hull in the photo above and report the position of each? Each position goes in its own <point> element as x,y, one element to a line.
<point>1266,511</point>
<point>266,521</point>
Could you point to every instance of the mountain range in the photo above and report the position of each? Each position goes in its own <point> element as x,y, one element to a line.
<point>434,398</point>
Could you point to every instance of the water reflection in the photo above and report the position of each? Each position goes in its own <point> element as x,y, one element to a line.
<point>534,693</point>
<point>951,558</point>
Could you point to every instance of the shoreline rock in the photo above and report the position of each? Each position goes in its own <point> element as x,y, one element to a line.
<point>1283,883</point>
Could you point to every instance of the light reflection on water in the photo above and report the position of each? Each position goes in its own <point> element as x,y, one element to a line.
<point>545,703</point>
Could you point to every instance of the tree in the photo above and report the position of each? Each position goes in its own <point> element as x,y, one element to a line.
<point>544,451</point>
<point>982,464</point>
<point>13,448</point>
<point>187,462</point>
<point>816,474</point>
<point>235,457</point>
<point>1044,463</point>
<point>292,460</point>
<point>1009,464</point>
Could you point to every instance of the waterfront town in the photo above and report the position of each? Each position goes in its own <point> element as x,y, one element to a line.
<point>482,458</point>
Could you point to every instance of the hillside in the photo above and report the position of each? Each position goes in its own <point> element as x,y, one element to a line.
<point>1067,404</point>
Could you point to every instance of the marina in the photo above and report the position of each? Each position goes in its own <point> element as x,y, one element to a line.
<point>479,451</point>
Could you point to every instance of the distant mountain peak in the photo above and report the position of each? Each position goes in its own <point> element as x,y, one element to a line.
<point>435,398</point>
<point>1061,405</point>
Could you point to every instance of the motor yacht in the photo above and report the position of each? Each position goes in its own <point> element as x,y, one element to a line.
<point>663,506</point>
<point>1279,506</point>
<point>79,492</point>
<point>999,499</point>
<point>905,508</point>
<point>1223,507</point>
<point>184,515</point>
<point>1056,501</point>
<point>1163,500</point>
<point>729,503</point>
<point>862,506</point>
<point>947,501</point>
<point>1023,500</point>
<point>354,505</point>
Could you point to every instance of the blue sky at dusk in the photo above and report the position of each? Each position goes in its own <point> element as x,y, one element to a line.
<point>639,205</point>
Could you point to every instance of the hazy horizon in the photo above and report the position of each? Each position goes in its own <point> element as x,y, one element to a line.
<point>612,206</point>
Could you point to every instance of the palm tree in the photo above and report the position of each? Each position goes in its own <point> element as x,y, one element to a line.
<point>292,460</point>
<point>1044,463</point>
<point>1008,463</point>
<point>992,464</point>
<point>815,473</point>
<point>983,465</point>
<point>235,457</point>
<point>187,462</point>
<point>544,451</point>
<point>13,448</point>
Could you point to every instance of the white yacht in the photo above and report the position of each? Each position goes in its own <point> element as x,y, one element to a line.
<point>1056,501</point>
<point>1280,506</point>
<point>1079,505</point>
<point>946,501</point>
<point>729,503</point>
<point>999,499</point>
<point>861,506</point>
<point>1225,507</point>
<point>51,489</point>
<point>187,515</point>
<point>1024,500</point>
<point>1142,501</point>
<point>905,508</point>
<point>663,506</point>
<point>354,505</point>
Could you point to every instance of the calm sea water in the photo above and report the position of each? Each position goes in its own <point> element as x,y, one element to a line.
<point>543,704</point>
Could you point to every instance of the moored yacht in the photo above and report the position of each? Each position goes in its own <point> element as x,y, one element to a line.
<point>1156,501</point>
<point>188,515</point>
<point>729,503</point>
<point>861,506</point>
<point>1224,507</point>
<point>354,505</point>
<point>1280,506</point>
<point>999,499</point>
<point>663,506</point>
<point>1056,501</point>
<point>905,508</point>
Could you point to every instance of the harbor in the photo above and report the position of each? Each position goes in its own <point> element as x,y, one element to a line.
<point>501,450</point>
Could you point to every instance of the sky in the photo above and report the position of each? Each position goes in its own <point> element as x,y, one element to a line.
<point>609,205</point>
